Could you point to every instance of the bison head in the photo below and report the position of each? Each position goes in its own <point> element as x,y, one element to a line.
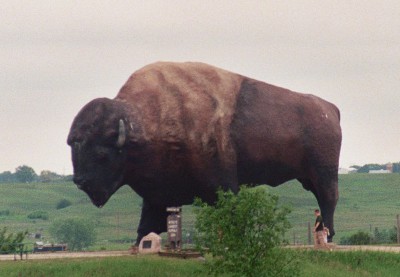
<point>97,138</point>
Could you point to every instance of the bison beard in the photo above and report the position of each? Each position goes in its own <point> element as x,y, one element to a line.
<point>176,131</point>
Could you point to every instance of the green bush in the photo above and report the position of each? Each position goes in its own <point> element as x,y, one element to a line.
<point>359,238</point>
<point>63,203</point>
<point>242,233</point>
<point>385,236</point>
<point>5,213</point>
<point>38,215</point>
<point>77,233</point>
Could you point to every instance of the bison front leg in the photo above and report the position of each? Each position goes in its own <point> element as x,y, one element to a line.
<point>152,219</point>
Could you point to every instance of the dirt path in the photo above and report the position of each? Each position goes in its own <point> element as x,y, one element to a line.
<point>69,255</point>
<point>394,249</point>
<point>64,255</point>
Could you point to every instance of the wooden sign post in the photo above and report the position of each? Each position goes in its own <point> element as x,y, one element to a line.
<point>174,227</point>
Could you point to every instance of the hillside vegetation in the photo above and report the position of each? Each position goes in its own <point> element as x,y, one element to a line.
<point>366,201</point>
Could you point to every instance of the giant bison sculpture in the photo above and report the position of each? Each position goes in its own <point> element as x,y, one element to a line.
<point>177,131</point>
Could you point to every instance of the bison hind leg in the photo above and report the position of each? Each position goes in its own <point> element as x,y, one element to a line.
<point>324,185</point>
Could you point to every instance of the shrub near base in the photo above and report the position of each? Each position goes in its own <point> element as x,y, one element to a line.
<point>242,233</point>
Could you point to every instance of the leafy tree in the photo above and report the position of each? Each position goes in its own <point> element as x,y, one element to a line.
<point>242,233</point>
<point>47,176</point>
<point>67,178</point>
<point>11,243</point>
<point>396,167</point>
<point>78,234</point>
<point>7,177</point>
<point>25,174</point>
<point>356,167</point>
<point>367,167</point>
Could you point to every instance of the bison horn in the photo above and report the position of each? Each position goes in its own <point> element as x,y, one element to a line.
<point>121,134</point>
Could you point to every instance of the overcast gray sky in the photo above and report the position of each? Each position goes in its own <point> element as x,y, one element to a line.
<point>56,56</point>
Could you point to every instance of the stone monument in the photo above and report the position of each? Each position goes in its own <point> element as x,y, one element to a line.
<point>150,244</point>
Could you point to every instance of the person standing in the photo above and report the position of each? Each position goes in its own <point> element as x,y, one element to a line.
<point>319,241</point>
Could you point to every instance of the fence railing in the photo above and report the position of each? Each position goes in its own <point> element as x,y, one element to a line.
<point>301,233</point>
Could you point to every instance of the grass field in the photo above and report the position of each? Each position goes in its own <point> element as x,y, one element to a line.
<point>118,220</point>
<point>313,263</point>
<point>366,201</point>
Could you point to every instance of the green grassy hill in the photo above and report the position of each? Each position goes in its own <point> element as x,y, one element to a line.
<point>366,201</point>
<point>118,220</point>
